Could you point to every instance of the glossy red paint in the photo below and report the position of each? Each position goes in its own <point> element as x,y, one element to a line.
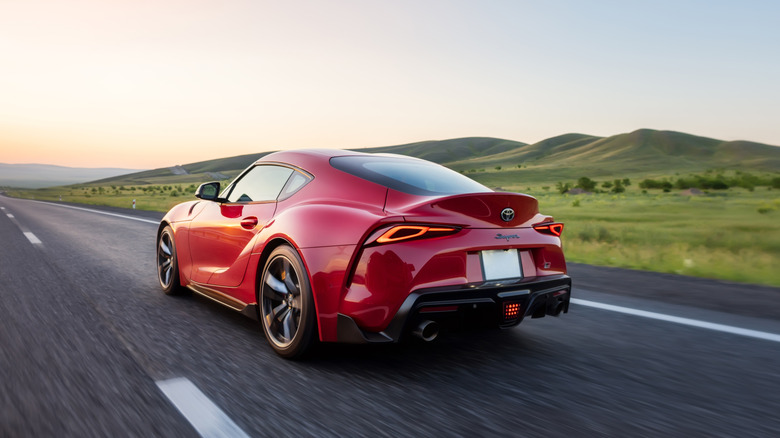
<point>346,231</point>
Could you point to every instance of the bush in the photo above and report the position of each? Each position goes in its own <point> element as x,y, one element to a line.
<point>562,188</point>
<point>653,184</point>
<point>586,184</point>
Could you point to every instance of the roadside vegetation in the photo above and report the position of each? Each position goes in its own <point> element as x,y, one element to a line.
<point>156,197</point>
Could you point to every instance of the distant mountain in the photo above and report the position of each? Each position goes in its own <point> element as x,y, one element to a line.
<point>42,175</point>
<point>644,151</point>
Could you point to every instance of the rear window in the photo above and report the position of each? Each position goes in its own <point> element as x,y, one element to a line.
<point>408,175</point>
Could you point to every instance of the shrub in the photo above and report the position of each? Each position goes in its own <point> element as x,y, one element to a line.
<point>653,184</point>
<point>562,188</point>
<point>586,184</point>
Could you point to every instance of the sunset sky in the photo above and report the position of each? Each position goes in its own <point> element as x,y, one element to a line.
<point>147,84</point>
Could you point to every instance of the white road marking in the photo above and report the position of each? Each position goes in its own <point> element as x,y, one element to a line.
<point>135,218</point>
<point>679,320</point>
<point>206,417</point>
<point>32,238</point>
<point>10,215</point>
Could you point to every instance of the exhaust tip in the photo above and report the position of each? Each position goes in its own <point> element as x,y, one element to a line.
<point>427,331</point>
<point>555,308</point>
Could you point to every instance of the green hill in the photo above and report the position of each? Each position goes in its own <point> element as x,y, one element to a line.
<point>447,151</point>
<point>499,162</point>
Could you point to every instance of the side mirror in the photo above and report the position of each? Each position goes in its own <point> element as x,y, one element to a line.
<point>208,191</point>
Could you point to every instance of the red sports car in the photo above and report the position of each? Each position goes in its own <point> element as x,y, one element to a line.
<point>352,247</point>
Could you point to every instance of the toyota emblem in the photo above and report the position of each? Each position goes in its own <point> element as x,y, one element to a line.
<point>507,214</point>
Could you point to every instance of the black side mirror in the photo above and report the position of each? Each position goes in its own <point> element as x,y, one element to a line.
<point>208,191</point>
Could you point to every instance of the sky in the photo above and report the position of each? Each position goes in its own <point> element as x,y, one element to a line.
<point>154,83</point>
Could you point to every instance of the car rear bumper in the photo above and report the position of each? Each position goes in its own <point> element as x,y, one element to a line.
<point>489,304</point>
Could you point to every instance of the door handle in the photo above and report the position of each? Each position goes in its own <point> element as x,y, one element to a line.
<point>249,222</point>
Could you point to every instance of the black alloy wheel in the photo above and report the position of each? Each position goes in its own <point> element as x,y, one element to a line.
<point>167,263</point>
<point>286,305</point>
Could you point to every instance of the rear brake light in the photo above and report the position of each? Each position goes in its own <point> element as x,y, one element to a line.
<point>407,232</point>
<point>555,229</point>
<point>511,310</point>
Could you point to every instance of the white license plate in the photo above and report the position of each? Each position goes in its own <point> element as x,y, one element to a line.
<point>501,264</point>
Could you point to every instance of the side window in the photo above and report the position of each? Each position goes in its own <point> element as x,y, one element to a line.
<point>296,182</point>
<point>261,183</point>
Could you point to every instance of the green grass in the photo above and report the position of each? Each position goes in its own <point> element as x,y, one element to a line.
<point>155,198</point>
<point>722,236</point>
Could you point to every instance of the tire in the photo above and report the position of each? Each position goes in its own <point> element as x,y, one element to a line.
<point>285,303</point>
<point>168,263</point>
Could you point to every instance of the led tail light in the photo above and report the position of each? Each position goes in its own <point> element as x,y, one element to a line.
<point>511,311</point>
<point>552,228</point>
<point>401,233</point>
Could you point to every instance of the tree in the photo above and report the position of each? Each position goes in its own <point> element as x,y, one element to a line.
<point>562,188</point>
<point>586,184</point>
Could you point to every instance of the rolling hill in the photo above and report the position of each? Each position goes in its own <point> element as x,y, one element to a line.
<point>568,156</point>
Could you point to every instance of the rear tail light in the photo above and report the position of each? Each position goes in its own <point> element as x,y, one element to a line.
<point>551,228</point>
<point>401,233</point>
<point>511,310</point>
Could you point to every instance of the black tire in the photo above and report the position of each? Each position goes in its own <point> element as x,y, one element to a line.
<point>168,263</point>
<point>285,303</point>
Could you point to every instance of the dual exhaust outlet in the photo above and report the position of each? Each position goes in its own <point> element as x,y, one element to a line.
<point>429,330</point>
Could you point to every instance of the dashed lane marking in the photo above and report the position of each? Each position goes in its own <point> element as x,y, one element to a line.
<point>32,238</point>
<point>679,320</point>
<point>28,234</point>
<point>206,417</point>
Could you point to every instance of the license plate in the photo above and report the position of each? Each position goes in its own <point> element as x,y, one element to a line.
<point>501,264</point>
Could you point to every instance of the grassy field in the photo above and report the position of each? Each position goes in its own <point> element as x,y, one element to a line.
<point>729,234</point>
<point>733,235</point>
<point>158,197</point>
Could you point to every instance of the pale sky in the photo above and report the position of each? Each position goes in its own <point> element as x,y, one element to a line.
<point>146,84</point>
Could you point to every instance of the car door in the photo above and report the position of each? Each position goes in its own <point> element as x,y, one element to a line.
<point>221,236</point>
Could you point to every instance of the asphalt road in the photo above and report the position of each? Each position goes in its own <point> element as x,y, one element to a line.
<point>86,338</point>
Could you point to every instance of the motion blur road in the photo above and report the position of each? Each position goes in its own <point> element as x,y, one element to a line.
<point>88,340</point>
